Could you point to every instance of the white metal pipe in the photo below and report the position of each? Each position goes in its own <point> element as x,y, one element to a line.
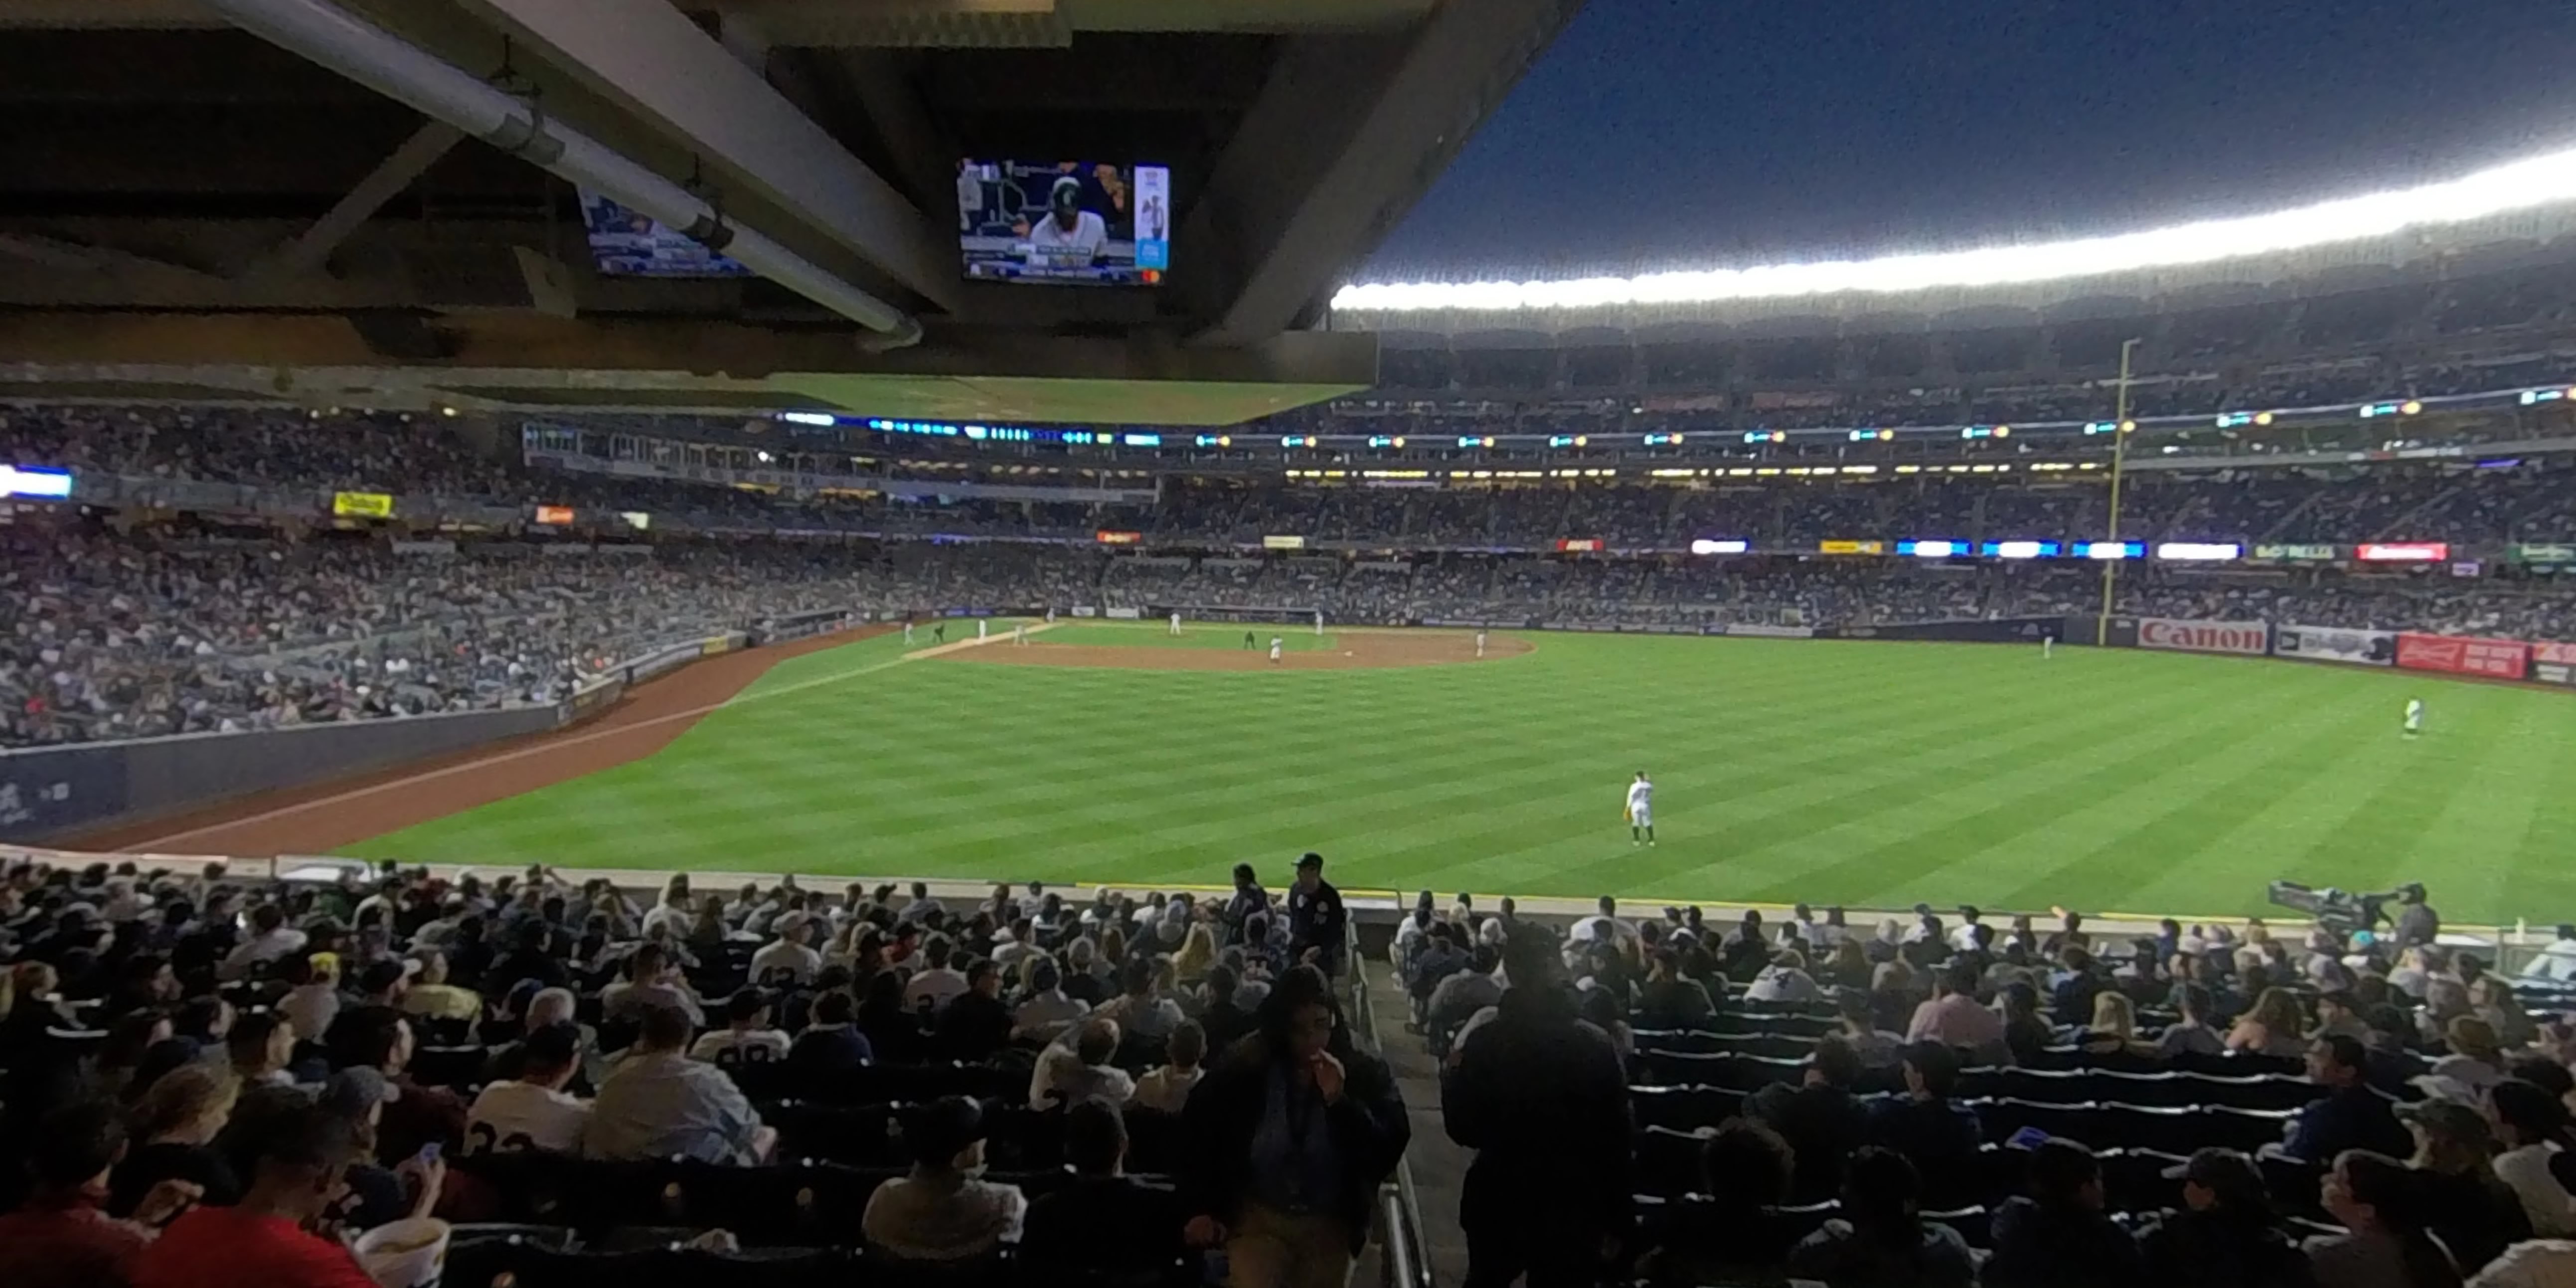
<point>396,68</point>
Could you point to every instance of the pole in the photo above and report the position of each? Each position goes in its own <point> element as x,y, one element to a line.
<point>2119,458</point>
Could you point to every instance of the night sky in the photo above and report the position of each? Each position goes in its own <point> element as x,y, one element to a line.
<point>1672,133</point>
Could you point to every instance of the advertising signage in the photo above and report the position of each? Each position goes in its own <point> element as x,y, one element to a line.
<point>2297,554</point>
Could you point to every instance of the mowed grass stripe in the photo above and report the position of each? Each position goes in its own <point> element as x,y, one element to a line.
<point>1866,772</point>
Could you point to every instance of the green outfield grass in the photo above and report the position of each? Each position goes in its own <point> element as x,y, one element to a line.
<point>1871,774</point>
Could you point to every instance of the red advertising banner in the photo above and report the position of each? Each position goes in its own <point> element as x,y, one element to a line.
<point>1581,544</point>
<point>559,516</point>
<point>2403,552</point>
<point>2554,663</point>
<point>1108,538</point>
<point>2463,655</point>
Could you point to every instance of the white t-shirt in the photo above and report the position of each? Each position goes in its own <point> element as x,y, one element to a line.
<point>1054,247</point>
<point>1641,798</point>
<point>512,1116</point>
<point>1166,1089</point>
<point>783,955</point>
<point>940,985</point>
<point>759,1046</point>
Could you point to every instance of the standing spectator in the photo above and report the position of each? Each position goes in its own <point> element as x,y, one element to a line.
<point>1167,1089</point>
<point>1542,1098</point>
<point>1881,1239</point>
<point>1937,1135</point>
<point>943,1211</point>
<point>976,1025</point>
<point>533,1111</point>
<point>659,1103</point>
<point>1317,922</point>
<point>832,1043</point>
<point>60,1238</point>
<point>1288,1141</point>
<point>2350,1115</point>
<point>2386,1243</point>
<point>1248,901</point>
<point>2467,1206</point>
<point>2533,1124</point>
<point>747,1037</point>
<point>2417,923</point>
<point>1105,1220</point>
<point>1820,1118</point>
<point>260,1242</point>
<point>2225,1234</point>
<point>2057,1234</point>
<point>177,1120</point>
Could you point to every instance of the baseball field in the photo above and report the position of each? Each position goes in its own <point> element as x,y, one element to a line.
<point>1865,773</point>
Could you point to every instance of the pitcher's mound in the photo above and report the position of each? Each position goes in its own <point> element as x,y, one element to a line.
<point>1360,650</point>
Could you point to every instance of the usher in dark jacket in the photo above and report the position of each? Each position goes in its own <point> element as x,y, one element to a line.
<point>1369,1125</point>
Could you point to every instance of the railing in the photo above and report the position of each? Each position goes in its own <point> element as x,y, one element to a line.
<point>1399,1204</point>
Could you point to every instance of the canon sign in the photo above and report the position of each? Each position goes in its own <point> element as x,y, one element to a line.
<point>2205,637</point>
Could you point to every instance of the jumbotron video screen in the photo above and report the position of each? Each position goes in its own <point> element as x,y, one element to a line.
<point>1064,222</point>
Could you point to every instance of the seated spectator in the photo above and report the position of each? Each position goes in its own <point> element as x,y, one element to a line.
<point>1167,1089</point>
<point>1858,1025</point>
<point>260,1241</point>
<point>1733,1236</point>
<point>747,1037</point>
<point>2476,1061</point>
<point>1140,1008</point>
<point>2027,1032</point>
<point>1460,996</point>
<point>653,982</point>
<point>2350,1115</point>
<point>659,1103</point>
<point>937,983</point>
<point>1822,1121</point>
<point>1881,1239</point>
<point>533,1111</point>
<point>2386,1242</point>
<point>2226,1232</point>
<point>790,959</point>
<point>60,1237</point>
<point>177,1121</point>
<point>379,1038</point>
<point>2191,1034</point>
<point>1104,1220</point>
<point>261,1045</point>
<point>270,939</point>
<point>546,1007</point>
<point>312,998</point>
<point>2533,1125</point>
<point>2468,1207</point>
<point>1047,1011</point>
<point>832,1043</point>
<point>1954,1017</point>
<point>1784,980</point>
<point>942,1210</point>
<point>2114,1030</point>
<point>976,1024</point>
<point>431,996</point>
<point>894,1032</point>
<point>1669,998</point>
<point>1935,1134</point>
<point>2275,1027</point>
<point>1076,1068</point>
<point>2057,1234</point>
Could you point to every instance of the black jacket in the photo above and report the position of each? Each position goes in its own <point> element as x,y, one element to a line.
<point>1823,1124</point>
<point>1369,1125</point>
<point>1316,919</point>
<point>2210,1250</point>
<point>1542,1099</point>
<point>2040,1247</point>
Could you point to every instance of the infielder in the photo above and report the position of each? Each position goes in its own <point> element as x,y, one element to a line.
<point>1641,810</point>
<point>1176,623</point>
<point>983,628</point>
<point>1278,647</point>
<point>1020,633</point>
<point>2414,716</point>
<point>1480,643</point>
<point>907,634</point>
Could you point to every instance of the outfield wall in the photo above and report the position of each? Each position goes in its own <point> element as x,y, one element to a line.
<point>85,787</point>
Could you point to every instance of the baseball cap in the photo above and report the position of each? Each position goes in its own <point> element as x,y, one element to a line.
<point>1311,860</point>
<point>2448,1118</point>
<point>354,1090</point>
<point>1065,194</point>
<point>2216,1168</point>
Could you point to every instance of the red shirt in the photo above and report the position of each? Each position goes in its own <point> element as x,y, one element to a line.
<point>230,1248</point>
<point>67,1246</point>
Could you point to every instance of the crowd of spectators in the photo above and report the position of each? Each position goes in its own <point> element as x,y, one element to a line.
<point>2424,1110</point>
<point>202,1071</point>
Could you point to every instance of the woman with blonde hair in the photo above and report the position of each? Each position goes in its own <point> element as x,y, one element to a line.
<point>2275,1027</point>
<point>174,1129</point>
<point>1198,952</point>
<point>2114,1030</point>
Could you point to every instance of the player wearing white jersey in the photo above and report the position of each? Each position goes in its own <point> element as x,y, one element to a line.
<point>2414,716</point>
<point>1278,646</point>
<point>1176,623</point>
<point>1641,810</point>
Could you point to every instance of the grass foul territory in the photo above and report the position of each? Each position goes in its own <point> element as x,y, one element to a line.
<point>1866,773</point>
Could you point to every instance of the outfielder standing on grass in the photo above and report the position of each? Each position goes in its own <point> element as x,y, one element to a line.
<point>1176,623</point>
<point>907,632</point>
<point>1641,810</point>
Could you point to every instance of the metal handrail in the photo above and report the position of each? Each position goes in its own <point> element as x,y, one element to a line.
<point>1399,1202</point>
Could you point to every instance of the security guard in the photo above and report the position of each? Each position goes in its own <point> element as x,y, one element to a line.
<point>1316,919</point>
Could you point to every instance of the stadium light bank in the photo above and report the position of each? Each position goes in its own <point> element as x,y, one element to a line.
<point>2534,181</point>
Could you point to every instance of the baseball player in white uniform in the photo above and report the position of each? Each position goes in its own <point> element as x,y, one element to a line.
<point>2414,716</point>
<point>1020,633</point>
<point>907,633</point>
<point>1278,647</point>
<point>1176,623</point>
<point>1641,810</point>
<point>1480,643</point>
